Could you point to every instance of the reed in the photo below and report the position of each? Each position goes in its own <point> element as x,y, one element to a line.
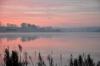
<point>14,59</point>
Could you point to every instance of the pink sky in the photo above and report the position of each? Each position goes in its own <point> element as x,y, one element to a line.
<point>51,12</point>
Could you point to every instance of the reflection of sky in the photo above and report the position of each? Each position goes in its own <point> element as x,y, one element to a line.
<point>23,38</point>
<point>33,36</point>
<point>51,12</point>
<point>66,43</point>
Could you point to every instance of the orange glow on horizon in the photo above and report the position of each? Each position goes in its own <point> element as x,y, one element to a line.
<point>41,21</point>
<point>60,20</point>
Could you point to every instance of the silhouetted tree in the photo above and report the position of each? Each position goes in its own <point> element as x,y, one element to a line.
<point>98,64</point>
<point>50,59</point>
<point>20,49</point>
<point>90,61</point>
<point>75,62</point>
<point>71,61</point>
<point>61,59</point>
<point>14,58</point>
<point>7,59</point>
<point>30,58</point>
<point>25,59</point>
<point>41,62</point>
<point>80,61</point>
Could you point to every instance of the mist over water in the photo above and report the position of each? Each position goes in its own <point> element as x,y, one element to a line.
<point>53,43</point>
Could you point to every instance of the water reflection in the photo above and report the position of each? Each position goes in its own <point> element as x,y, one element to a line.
<point>59,43</point>
<point>23,38</point>
<point>26,36</point>
<point>33,36</point>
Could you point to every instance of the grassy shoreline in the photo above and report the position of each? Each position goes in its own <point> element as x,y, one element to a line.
<point>14,58</point>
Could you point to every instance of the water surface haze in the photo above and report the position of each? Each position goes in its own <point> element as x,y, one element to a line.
<point>64,43</point>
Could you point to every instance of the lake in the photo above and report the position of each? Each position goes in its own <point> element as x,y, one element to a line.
<point>56,44</point>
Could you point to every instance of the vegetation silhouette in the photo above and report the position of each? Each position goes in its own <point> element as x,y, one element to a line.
<point>41,61</point>
<point>14,58</point>
<point>83,61</point>
<point>50,59</point>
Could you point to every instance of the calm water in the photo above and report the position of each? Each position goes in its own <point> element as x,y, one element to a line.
<point>53,43</point>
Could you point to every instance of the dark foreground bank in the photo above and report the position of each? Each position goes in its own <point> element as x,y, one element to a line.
<point>13,58</point>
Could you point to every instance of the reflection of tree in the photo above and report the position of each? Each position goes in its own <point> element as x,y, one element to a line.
<point>23,38</point>
<point>11,38</point>
<point>8,37</point>
<point>28,38</point>
<point>0,40</point>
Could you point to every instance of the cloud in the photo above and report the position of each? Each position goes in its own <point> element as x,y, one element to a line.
<point>52,9</point>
